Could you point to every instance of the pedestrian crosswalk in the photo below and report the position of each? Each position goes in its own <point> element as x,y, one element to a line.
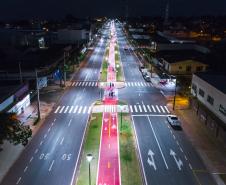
<point>134,109</point>
<point>138,84</point>
<point>156,109</point>
<point>73,109</point>
<point>84,84</point>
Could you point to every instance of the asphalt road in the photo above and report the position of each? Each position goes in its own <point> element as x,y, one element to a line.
<point>51,157</point>
<point>167,157</point>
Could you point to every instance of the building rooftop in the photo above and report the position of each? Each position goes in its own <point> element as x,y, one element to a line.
<point>173,56</point>
<point>216,80</point>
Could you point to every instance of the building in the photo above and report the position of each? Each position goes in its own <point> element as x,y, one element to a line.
<point>14,98</point>
<point>73,36</point>
<point>210,89</point>
<point>184,62</point>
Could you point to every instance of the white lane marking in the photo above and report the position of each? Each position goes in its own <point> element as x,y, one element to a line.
<point>62,140</point>
<point>158,108</point>
<point>181,150</point>
<point>54,120</point>
<point>41,143</point>
<point>153,108</point>
<point>84,110</point>
<point>185,157</point>
<point>76,107</point>
<point>69,123</point>
<point>80,109</point>
<point>149,108</point>
<point>18,181</point>
<point>174,137</point>
<point>45,136</point>
<point>72,107</point>
<point>57,109</point>
<point>140,108</point>
<point>135,108</point>
<point>25,169</point>
<point>190,166</point>
<point>49,129</point>
<point>61,109</point>
<point>167,109</point>
<point>145,110</point>
<point>158,143</point>
<point>50,168</point>
<point>142,164</point>
<point>36,151</point>
<point>131,108</point>
<point>178,143</point>
<point>52,123</point>
<point>162,109</point>
<point>31,159</point>
<point>90,108</point>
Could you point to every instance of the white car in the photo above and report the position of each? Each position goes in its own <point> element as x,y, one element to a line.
<point>174,122</point>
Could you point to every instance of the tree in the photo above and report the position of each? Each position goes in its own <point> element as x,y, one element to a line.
<point>12,130</point>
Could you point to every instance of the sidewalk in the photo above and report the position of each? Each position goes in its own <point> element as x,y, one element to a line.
<point>208,147</point>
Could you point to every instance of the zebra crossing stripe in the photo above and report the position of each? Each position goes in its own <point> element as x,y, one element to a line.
<point>141,84</point>
<point>157,108</point>
<point>71,109</point>
<point>79,83</point>
<point>80,109</point>
<point>153,108</point>
<point>96,84</point>
<point>73,84</point>
<point>167,109</point>
<point>76,107</point>
<point>132,84</point>
<point>149,108</point>
<point>129,84</point>
<point>89,110</point>
<point>131,108</point>
<point>84,110</point>
<point>135,83</point>
<point>61,109</point>
<point>135,108</point>
<point>162,109</point>
<point>76,84</point>
<point>138,83</point>
<point>145,110</point>
<point>86,83</point>
<point>57,109</point>
<point>140,108</point>
<point>66,109</point>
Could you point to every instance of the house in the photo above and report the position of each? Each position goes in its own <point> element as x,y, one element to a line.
<point>184,62</point>
<point>210,89</point>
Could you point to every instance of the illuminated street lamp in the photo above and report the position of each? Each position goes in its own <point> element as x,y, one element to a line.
<point>89,158</point>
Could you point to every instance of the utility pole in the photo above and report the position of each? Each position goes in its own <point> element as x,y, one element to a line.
<point>64,71</point>
<point>21,79</point>
<point>38,100</point>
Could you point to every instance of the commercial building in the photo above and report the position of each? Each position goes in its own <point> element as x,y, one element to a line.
<point>210,90</point>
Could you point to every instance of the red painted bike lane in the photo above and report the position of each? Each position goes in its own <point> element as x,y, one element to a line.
<point>109,161</point>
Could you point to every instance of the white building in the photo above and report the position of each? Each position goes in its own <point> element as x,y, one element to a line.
<point>73,36</point>
<point>211,91</point>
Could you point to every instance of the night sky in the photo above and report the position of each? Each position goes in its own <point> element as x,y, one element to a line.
<point>54,9</point>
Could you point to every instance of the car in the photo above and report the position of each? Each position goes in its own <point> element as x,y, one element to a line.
<point>147,78</point>
<point>141,67</point>
<point>174,122</point>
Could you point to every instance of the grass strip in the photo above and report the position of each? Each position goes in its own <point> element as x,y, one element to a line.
<point>130,172</point>
<point>91,146</point>
<point>103,77</point>
<point>119,74</point>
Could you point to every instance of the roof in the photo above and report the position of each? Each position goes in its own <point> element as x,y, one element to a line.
<point>216,80</point>
<point>174,56</point>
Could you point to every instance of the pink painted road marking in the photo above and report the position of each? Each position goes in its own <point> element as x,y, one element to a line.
<point>109,161</point>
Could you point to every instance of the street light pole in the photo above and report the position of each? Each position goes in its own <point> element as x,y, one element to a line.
<point>175,93</point>
<point>38,100</point>
<point>89,158</point>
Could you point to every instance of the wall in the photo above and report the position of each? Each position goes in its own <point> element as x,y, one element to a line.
<point>219,97</point>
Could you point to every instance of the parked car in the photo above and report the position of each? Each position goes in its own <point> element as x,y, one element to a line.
<point>141,67</point>
<point>174,122</point>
